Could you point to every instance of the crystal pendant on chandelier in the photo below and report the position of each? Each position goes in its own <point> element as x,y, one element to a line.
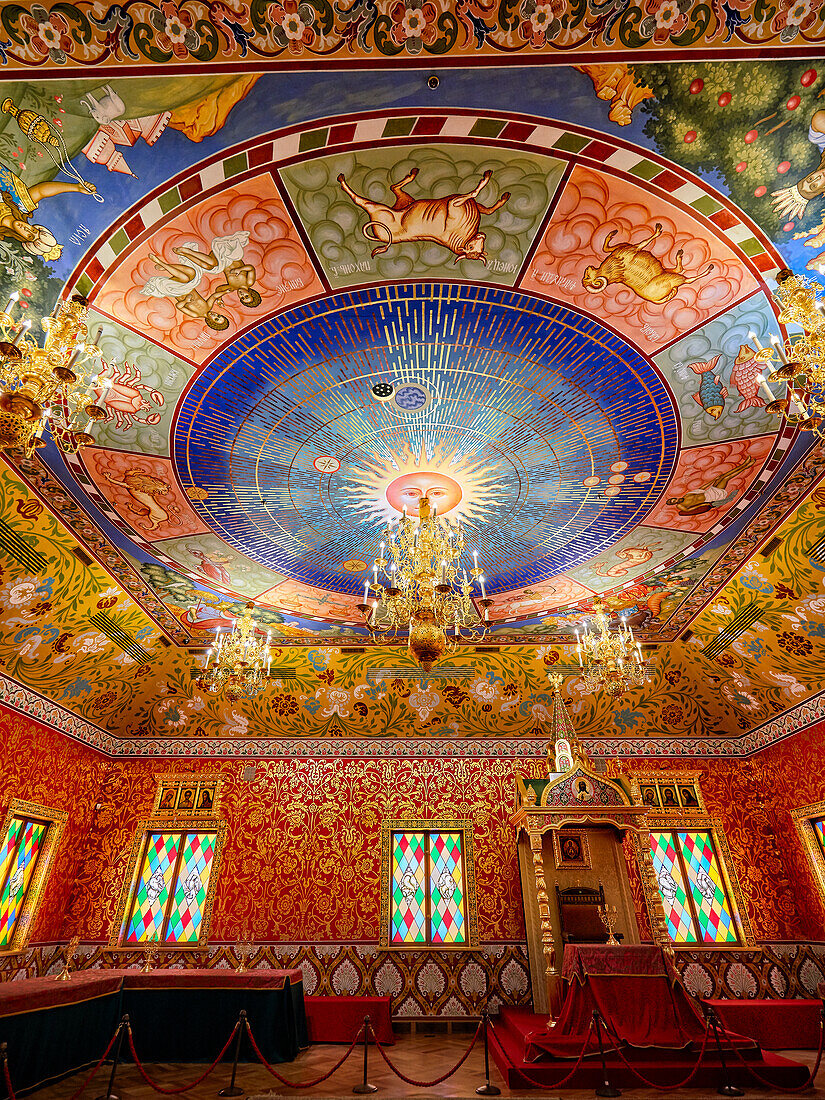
<point>242,660</point>
<point>420,586</point>
<point>802,369</point>
<point>611,661</point>
<point>49,385</point>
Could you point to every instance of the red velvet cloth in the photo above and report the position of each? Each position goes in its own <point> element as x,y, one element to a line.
<point>33,994</point>
<point>208,979</point>
<point>631,988</point>
<point>774,1024</point>
<point>337,1019</point>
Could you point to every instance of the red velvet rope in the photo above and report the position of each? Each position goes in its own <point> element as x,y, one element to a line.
<point>104,1056</point>
<point>644,1080</point>
<point>553,1084</point>
<point>300,1084</point>
<point>7,1079</point>
<point>181,1088</point>
<point>438,1080</point>
<point>812,1074</point>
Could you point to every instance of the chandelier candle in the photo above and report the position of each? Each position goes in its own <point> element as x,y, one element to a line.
<point>421,586</point>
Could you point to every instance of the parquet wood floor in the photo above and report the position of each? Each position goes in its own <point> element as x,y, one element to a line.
<point>418,1056</point>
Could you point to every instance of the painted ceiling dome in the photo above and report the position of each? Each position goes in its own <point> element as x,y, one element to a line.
<point>539,299</point>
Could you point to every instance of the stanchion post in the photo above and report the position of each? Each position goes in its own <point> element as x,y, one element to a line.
<point>365,1086</point>
<point>605,1089</point>
<point>726,1088</point>
<point>4,1068</point>
<point>110,1093</point>
<point>487,1089</point>
<point>232,1089</point>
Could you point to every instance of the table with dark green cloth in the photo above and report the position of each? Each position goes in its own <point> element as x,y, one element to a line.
<point>53,1028</point>
<point>187,1015</point>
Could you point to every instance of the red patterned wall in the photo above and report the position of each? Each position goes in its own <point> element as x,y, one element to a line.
<point>302,855</point>
<point>40,765</point>
<point>302,858</point>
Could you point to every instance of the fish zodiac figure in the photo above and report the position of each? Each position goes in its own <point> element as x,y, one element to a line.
<point>639,270</point>
<point>453,220</point>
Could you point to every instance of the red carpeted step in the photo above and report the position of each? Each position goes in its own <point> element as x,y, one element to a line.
<point>775,1024</point>
<point>664,1067</point>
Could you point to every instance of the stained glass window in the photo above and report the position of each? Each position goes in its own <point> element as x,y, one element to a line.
<point>20,849</point>
<point>171,888</point>
<point>692,888</point>
<point>427,884</point>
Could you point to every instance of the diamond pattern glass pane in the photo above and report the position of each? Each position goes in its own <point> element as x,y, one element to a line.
<point>191,888</point>
<point>819,829</point>
<point>447,923</point>
<point>407,913</point>
<point>20,868</point>
<point>9,845</point>
<point>153,888</point>
<point>707,888</point>
<point>672,888</point>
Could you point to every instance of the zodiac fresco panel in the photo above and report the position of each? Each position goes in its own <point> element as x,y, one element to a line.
<point>212,270</point>
<point>645,266</point>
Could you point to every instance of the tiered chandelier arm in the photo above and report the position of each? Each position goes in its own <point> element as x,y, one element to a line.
<point>54,385</point>
<point>418,584</point>
<point>610,660</point>
<point>242,660</point>
<point>802,359</point>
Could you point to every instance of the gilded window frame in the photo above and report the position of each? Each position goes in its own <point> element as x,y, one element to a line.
<point>686,820</point>
<point>429,825</point>
<point>803,818</point>
<point>56,823</point>
<point>175,823</point>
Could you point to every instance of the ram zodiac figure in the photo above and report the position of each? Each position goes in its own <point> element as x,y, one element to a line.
<point>639,270</point>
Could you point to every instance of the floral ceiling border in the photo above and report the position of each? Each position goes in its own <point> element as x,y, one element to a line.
<point>232,34</point>
<point>16,697</point>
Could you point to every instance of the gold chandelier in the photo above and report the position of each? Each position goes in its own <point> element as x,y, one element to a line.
<point>611,660</point>
<point>418,587</point>
<point>802,358</point>
<point>242,660</point>
<point>49,385</point>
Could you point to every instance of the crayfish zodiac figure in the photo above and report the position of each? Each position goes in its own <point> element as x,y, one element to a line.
<point>452,221</point>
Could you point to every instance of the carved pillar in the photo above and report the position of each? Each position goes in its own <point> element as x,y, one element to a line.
<point>655,909</point>
<point>547,941</point>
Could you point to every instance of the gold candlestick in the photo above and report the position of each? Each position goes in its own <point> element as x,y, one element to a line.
<point>147,953</point>
<point>609,915</point>
<point>68,956</point>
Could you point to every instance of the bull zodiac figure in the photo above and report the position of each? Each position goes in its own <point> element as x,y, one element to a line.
<point>452,221</point>
<point>639,270</point>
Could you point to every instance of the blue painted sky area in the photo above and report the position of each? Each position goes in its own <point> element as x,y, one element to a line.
<point>288,99</point>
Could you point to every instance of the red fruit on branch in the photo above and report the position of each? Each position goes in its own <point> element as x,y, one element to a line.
<point>690,137</point>
<point>696,86</point>
<point>724,99</point>
<point>807,78</point>
<point>741,166</point>
<point>751,136</point>
<point>793,102</point>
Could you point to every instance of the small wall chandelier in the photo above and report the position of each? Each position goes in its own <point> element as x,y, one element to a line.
<point>802,358</point>
<point>52,385</point>
<point>242,660</point>
<point>420,587</point>
<point>611,660</point>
